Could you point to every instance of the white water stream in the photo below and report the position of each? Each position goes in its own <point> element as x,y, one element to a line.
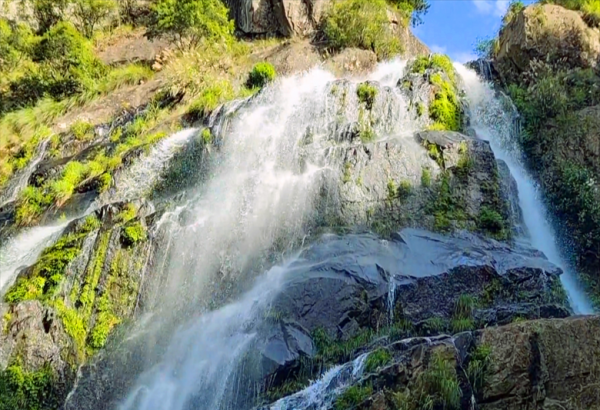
<point>494,121</point>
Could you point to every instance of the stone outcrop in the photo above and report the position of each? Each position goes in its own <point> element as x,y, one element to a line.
<point>548,33</point>
<point>302,18</point>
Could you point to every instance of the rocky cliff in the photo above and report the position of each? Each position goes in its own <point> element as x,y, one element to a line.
<point>548,58</point>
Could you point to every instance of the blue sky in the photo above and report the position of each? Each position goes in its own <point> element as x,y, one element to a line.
<point>453,26</point>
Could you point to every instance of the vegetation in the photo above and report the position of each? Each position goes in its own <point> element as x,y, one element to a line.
<point>462,318</point>
<point>353,396</point>
<point>376,359</point>
<point>20,389</point>
<point>445,108</point>
<point>363,24</point>
<point>478,367</point>
<point>188,22</point>
<point>49,270</point>
<point>426,177</point>
<point>589,8</point>
<point>366,94</point>
<point>261,74</point>
<point>446,206</point>
<point>436,387</point>
<point>132,234</point>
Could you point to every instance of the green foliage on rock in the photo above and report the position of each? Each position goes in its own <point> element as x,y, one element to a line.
<point>435,388</point>
<point>133,233</point>
<point>590,9</point>
<point>353,396</point>
<point>261,74</point>
<point>20,389</point>
<point>49,270</point>
<point>363,24</point>
<point>445,108</point>
<point>188,22</point>
<point>376,359</point>
<point>479,367</point>
<point>366,94</point>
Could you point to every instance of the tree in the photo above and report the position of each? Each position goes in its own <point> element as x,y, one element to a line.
<point>45,12</point>
<point>415,9</point>
<point>91,13</point>
<point>187,22</point>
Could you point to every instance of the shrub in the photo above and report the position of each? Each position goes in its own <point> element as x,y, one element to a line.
<point>133,233</point>
<point>363,24</point>
<point>210,98</point>
<point>187,22</point>
<point>366,94</point>
<point>491,221</point>
<point>20,389</point>
<point>91,13</point>
<point>261,75</point>
<point>47,13</point>
<point>82,130</point>
<point>589,8</point>
<point>413,9</point>
<point>16,41</point>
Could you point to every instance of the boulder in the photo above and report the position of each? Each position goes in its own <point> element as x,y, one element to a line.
<point>549,33</point>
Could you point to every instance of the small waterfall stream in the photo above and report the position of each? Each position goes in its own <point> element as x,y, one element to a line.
<point>494,118</point>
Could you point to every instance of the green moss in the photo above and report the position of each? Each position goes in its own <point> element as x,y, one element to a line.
<point>435,152</point>
<point>377,359</point>
<point>210,98</point>
<point>464,306</point>
<point>366,94</point>
<point>347,173</point>
<point>133,233</point>
<point>420,109</point>
<point>447,207</point>
<point>36,390</point>
<point>207,136</point>
<point>127,213</point>
<point>465,162</point>
<point>261,74</point>
<point>445,108</point>
<point>392,190</point>
<point>426,177</point>
<point>438,62</point>
<point>492,223</point>
<point>405,189</point>
<point>7,318</point>
<point>50,268</point>
<point>353,396</point>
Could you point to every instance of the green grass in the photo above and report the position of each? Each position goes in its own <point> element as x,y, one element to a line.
<point>445,108</point>
<point>377,359</point>
<point>478,367</point>
<point>425,177</point>
<point>353,396</point>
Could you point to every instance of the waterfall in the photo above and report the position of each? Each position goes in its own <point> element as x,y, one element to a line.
<point>23,250</point>
<point>268,176</point>
<point>494,119</point>
<point>19,180</point>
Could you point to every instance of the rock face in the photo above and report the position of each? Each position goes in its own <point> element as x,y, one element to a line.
<point>543,32</point>
<point>543,365</point>
<point>346,286</point>
<point>301,18</point>
<point>517,367</point>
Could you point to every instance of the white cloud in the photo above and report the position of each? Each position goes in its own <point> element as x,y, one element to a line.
<point>463,57</point>
<point>495,8</point>
<point>438,49</point>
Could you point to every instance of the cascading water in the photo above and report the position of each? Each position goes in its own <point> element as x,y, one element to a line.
<point>19,180</point>
<point>23,250</point>
<point>494,120</point>
<point>276,152</point>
